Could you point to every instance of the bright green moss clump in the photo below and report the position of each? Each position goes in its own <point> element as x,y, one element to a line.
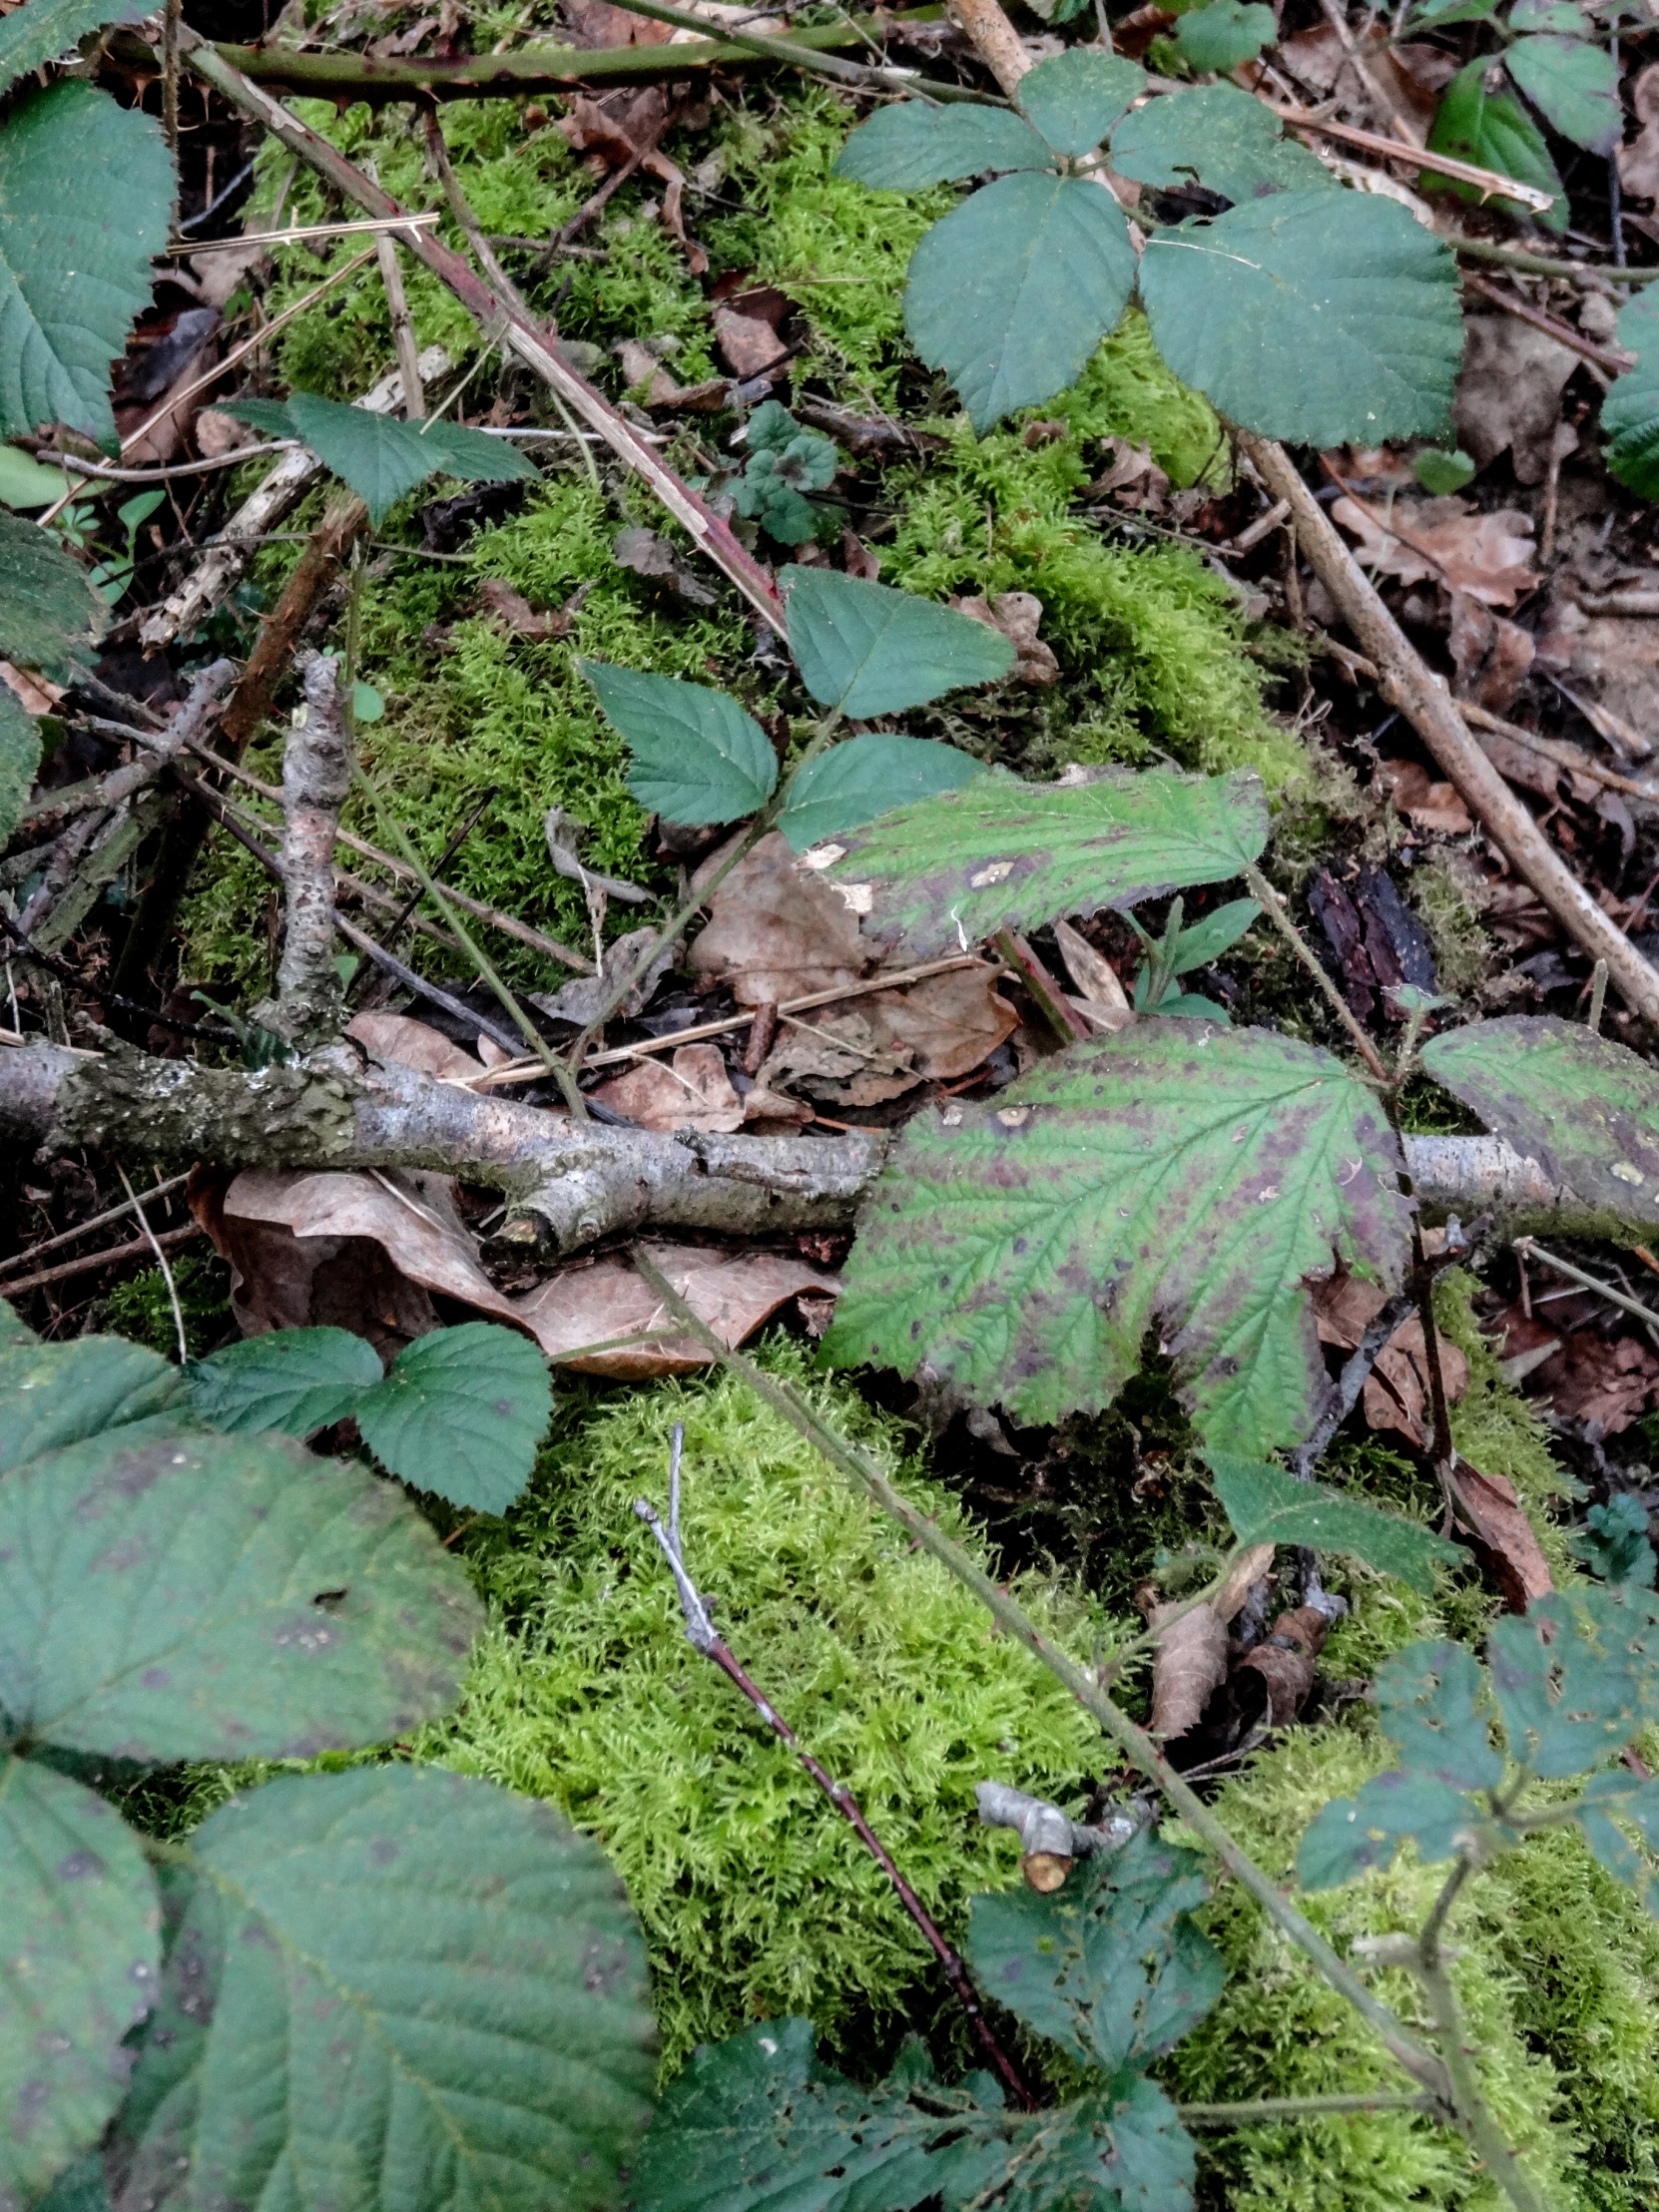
<point>757,1899</point>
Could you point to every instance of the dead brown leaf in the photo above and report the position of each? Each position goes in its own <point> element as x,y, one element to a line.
<point>1016,614</point>
<point>413,1045</point>
<point>1132,478</point>
<point>1432,805</point>
<point>217,434</point>
<point>596,23</point>
<point>1510,393</point>
<point>747,345</point>
<point>612,131</point>
<point>599,1300</point>
<point>646,554</point>
<point>37,695</point>
<point>776,931</point>
<point>499,600</point>
<point>1484,555</point>
<point>1611,1380</point>
<point>1190,1665</point>
<point>1490,653</point>
<point>1638,158</point>
<point>1492,1513</point>
<point>1396,1390</point>
<point>878,1046</point>
<point>1285,1661</point>
<point>691,1090</point>
<point>1412,74</point>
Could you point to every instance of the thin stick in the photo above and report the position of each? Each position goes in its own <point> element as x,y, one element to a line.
<point>1615,359</point>
<point>1056,1009</point>
<point>1486,182</point>
<point>85,1228</point>
<point>168,1240</point>
<point>402,328</point>
<point>161,1261</point>
<point>1594,1283</point>
<point>1268,899</point>
<point>1598,996</point>
<point>373,224</point>
<point>1540,265</point>
<point>806,57</point>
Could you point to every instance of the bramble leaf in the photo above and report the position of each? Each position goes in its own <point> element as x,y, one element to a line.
<point>1354,1836</point>
<point>210,1597</point>
<point>1268,1506</point>
<point>52,1394</point>
<point>1630,411</point>
<point>462,1414</point>
<point>1585,1108</point>
<point>910,144</point>
<point>1074,98</point>
<point>870,650</point>
<point>44,29</point>
<point>1223,34</point>
<point>1217,137</point>
<point>293,1380</point>
<point>446,1991</point>
<point>1126,2146</point>
<point>1324,317</point>
<point>1433,1701</point>
<point>78,1968</point>
<point>19,761</point>
<point>866,777</point>
<point>1574,1675</point>
<point>86,194</point>
<point>1173,1175</point>
<point>697,757</point>
<point>1615,1546</point>
<point>1575,84</point>
<point>50,616</point>
<point>1108,1966</point>
<point>1634,1800</point>
<point>378,456</point>
<point>1013,290</point>
<point>1493,128</point>
<point>939,875</point>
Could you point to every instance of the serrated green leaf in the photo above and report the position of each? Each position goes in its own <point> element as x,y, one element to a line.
<point>1442,474</point>
<point>1630,411</point>
<point>1455,11</point>
<point>445,1989</point>
<point>79,1962</point>
<point>86,194</point>
<point>1318,317</point>
<point>293,1380</point>
<point>43,29</point>
<point>1126,2145</point>
<point>1173,1175</point>
<point>1479,120</point>
<point>1191,1007</point>
<point>50,616</point>
<point>378,456</point>
<point>998,854</point>
<point>1223,34</point>
<point>697,757</point>
<point>1354,1836</point>
<point>1634,1800</point>
<point>1217,137</point>
<point>1105,1966</point>
<point>870,650</point>
<point>853,783</point>
<point>213,1598</point>
<point>1268,1506</point>
<point>1576,85</point>
<point>1074,98</point>
<point>1205,941</point>
<point>1572,1676</point>
<point>1614,1851</point>
<point>462,1414</point>
<point>52,1394</point>
<point>1433,1711</point>
<point>1586,1109</point>
<point>19,763</point>
<point>13,1329</point>
<point>1013,290</point>
<point>473,456</point>
<point>909,145</point>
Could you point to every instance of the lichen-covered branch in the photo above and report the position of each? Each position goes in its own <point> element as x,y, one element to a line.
<point>317,774</point>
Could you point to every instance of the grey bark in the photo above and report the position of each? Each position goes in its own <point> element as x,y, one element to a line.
<point>317,774</point>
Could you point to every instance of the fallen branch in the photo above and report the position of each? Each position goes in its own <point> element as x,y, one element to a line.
<point>317,774</point>
<point>1049,1839</point>
<point>89,1261</point>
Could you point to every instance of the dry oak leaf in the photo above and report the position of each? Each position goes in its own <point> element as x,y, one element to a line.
<point>413,1045</point>
<point>1492,1513</point>
<point>1432,805</point>
<point>595,1300</point>
<point>776,931</point>
<point>1490,654</point>
<point>1016,614</point>
<point>690,1091</point>
<point>1395,1395</point>
<point>1509,392</point>
<point>1611,1380</point>
<point>1482,554</point>
<point>1638,158</point>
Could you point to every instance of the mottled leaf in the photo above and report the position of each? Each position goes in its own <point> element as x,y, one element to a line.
<point>213,1598</point>
<point>462,1414</point>
<point>853,783</point>
<point>393,1988</point>
<point>1217,137</point>
<point>44,29</point>
<point>1625,1794</point>
<point>62,1393</point>
<point>80,2187</point>
<point>910,144</point>
<point>80,1944</point>
<point>1318,317</point>
<point>1479,121</point>
<point>295,1380</point>
<point>1630,411</point>
<point>939,875</point>
<point>50,616</point>
<point>1586,1109</point>
<point>1074,98</point>
<point>1268,1506</point>
<point>1573,1676</point>
<point>1223,34</point>
<point>870,650</point>
<point>1549,15</point>
<point>697,757</point>
<point>86,194</point>
<point>1355,1835</point>
<point>1174,1176</point>
<point>1574,84</point>
<point>19,761</point>
<point>1013,290</point>
<point>1434,1712</point>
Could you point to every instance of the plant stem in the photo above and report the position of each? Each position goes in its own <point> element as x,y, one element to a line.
<point>808,57</point>
<point>1419,2062</point>
<point>1268,899</point>
<point>1257,2109</point>
<point>1473,2116</point>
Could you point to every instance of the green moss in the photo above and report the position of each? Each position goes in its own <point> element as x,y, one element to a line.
<point>1440,893</point>
<point>142,1310</point>
<point>757,1899</point>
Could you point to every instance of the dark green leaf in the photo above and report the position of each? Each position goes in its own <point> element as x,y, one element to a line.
<point>86,194</point>
<point>941,874</point>
<point>1217,137</point>
<point>1615,1544</point>
<point>210,1597</point>
<point>1324,317</point>
<point>473,456</point>
<point>1104,1967</point>
<point>909,145</point>
<point>80,2187</point>
<point>1573,1677</point>
<point>1268,1506</point>
<point>442,1992</point>
<point>1205,941</point>
<point>62,1393</point>
<point>270,416</point>
<point>1634,1800</point>
<point>1192,1007</point>
<point>1013,290</point>
<point>462,1414</point>
<point>1434,1707</point>
<point>1223,34</point>
<point>1355,1835</point>
<point>295,1379</point>
<point>697,757</point>
<point>870,650</point>
<point>1586,1109</point>
<point>1173,1176</point>
<point>13,1329</point>
<point>1575,84</point>
<point>771,429</point>
<point>50,616</point>
<point>1615,1852</point>
<point>19,761</point>
<point>78,1966</point>
<point>853,783</point>
<point>1630,411</point>
<point>1441,474</point>
<point>44,29</point>
<point>1455,11</point>
<point>378,456</point>
<point>1479,120</point>
<point>1126,2146</point>
<point>1076,97</point>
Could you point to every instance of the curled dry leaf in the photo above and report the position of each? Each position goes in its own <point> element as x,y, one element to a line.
<point>1638,158</point>
<point>880,1046</point>
<point>1396,1390</point>
<point>1412,74</point>
<point>1191,1664</point>
<point>1490,654</point>
<point>1131,478</point>
<point>1485,555</point>
<point>1101,996</point>
<point>610,131</point>
<point>1431,805</point>
<point>1510,393</point>
<point>578,1001</point>
<point>1611,1380</point>
<point>217,434</point>
<point>502,604</point>
<point>1488,1508</point>
<point>1016,614</point>
<point>776,931</point>
<point>594,1302</point>
<point>1283,1661</point>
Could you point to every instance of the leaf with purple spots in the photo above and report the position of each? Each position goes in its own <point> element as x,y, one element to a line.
<point>1175,1178</point>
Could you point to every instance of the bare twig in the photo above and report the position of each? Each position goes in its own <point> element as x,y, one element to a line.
<point>402,328</point>
<point>1487,182</point>
<point>154,1242</point>
<point>1615,359</point>
<point>188,725</point>
<point>1049,1839</point>
<point>86,1228</point>
<point>168,1240</point>
<point>317,774</point>
<point>1056,1009</point>
<point>1531,1251</point>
